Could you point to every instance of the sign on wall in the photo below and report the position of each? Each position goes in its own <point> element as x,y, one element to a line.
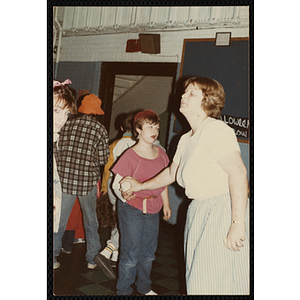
<point>238,124</point>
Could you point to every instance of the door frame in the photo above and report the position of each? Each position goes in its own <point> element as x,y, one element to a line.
<point>107,80</point>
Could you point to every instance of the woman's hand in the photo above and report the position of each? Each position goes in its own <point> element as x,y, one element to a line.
<point>167,212</point>
<point>235,237</point>
<point>135,185</point>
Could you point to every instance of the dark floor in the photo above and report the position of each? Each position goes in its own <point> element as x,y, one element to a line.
<point>73,277</point>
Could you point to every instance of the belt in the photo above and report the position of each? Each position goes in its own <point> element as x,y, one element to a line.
<point>145,204</point>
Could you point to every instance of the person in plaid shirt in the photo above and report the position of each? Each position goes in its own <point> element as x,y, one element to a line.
<point>81,150</point>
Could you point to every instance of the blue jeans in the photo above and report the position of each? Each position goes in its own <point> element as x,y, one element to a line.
<point>138,243</point>
<point>90,222</point>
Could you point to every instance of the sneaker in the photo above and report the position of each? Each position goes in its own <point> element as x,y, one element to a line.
<point>65,251</point>
<point>91,266</point>
<point>56,265</point>
<point>151,293</point>
<point>79,241</point>
<point>104,264</point>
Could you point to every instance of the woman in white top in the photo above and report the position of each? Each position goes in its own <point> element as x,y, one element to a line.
<point>208,164</point>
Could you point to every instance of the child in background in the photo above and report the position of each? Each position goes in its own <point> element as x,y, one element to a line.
<point>74,233</point>
<point>139,218</point>
<point>82,150</point>
<point>63,104</point>
<point>108,257</point>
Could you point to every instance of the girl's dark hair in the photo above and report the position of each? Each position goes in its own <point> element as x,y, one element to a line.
<point>67,96</point>
<point>126,122</point>
<point>213,92</point>
<point>146,116</point>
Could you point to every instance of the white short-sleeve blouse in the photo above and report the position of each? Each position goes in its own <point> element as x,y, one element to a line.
<point>197,159</point>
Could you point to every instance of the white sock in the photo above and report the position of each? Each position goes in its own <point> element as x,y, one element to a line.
<point>115,255</point>
<point>108,250</point>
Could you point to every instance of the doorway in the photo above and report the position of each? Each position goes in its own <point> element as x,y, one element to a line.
<point>126,87</point>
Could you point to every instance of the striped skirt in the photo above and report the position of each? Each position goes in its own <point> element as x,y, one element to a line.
<point>211,268</point>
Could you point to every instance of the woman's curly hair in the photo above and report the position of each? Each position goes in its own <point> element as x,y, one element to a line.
<point>213,95</point>
<point>105,213</point>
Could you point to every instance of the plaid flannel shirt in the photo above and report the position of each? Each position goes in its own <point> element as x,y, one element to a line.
<point>81,149</point>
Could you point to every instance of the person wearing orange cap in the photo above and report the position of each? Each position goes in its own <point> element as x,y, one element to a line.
<point>81,150</point>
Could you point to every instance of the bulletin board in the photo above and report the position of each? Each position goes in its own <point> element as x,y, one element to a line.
<point>229,66</point>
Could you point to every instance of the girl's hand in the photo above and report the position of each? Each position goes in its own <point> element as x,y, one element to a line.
<point>235,237</point>
<point>167,212</point>
<point>127,195</point>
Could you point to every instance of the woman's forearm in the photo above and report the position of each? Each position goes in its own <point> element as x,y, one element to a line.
<point>165,178</point>
<point>233,165</point>
<point>162,179</point>
<point>238,186</point>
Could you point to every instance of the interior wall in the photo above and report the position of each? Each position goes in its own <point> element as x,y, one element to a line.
<point>112,47</point>
<point>150,93</point>
<point>84,75</point>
